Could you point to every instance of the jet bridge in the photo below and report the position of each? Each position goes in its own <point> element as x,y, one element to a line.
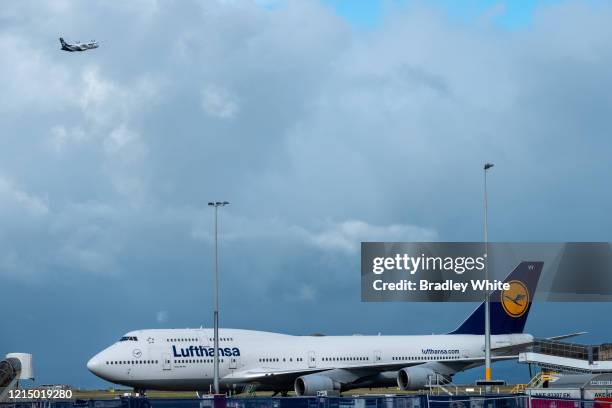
<point>552,355</point>
<point>15,367</point>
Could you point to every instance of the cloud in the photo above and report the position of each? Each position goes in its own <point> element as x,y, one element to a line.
<point>13,198</point>
<point>348,235</point>
<point>62,137</point>
<point>321,136</point>
<point>217,102</point>
<point>304,293</point>
<point>125,145</point>
<point>326,137</point>
<point>342,236</point>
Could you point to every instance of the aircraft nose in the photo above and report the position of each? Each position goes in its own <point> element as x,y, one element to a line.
<point>93,365</point>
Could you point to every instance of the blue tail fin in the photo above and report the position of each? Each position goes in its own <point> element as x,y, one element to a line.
<point>509,308</point>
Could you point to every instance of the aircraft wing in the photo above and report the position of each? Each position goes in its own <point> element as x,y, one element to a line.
<point>264,374</point>
<point>566,336</point>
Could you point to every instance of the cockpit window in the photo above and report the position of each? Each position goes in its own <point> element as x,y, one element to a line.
<point>128,338</point>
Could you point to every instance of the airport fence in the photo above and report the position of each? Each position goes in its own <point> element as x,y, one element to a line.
<point>281,402</point>
<point>406,401</point>
<point>463,401</point>
<point>570,403</point>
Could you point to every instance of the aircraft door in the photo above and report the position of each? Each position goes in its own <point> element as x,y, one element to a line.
<point>166,362</point>
<point>377,356</point>
<point>233,362</point>
<point>312,359</point>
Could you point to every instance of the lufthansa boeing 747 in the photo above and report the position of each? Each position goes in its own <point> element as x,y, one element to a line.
<point>182,359</point>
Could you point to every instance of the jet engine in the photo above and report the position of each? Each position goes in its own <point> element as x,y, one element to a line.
<point>414,378</point>
<point>309,385</point>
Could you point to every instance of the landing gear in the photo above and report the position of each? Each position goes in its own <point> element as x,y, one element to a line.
<point>140,392</point>
<point>250,389</point>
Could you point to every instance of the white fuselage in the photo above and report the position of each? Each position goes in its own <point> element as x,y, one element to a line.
<point>182,359</point>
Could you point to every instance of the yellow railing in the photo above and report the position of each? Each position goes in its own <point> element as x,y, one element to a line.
<point>536,381</point>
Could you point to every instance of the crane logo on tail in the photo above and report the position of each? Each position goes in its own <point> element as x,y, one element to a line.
<point>516,299</point>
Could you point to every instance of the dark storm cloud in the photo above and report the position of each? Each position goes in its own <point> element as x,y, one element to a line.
<point>321,136</point>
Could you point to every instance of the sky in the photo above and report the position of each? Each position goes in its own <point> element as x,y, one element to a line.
<point>323,123</point>
<point>507,14</point>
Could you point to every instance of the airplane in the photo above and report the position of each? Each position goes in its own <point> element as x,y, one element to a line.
<point>77,46</point>
<point>182,359</point>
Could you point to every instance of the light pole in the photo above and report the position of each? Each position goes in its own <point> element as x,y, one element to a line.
<point>487,166</point>
<point>216,206</point>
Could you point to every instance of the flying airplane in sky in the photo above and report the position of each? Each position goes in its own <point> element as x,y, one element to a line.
<point>78,46</point>
<point>182,359</point>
